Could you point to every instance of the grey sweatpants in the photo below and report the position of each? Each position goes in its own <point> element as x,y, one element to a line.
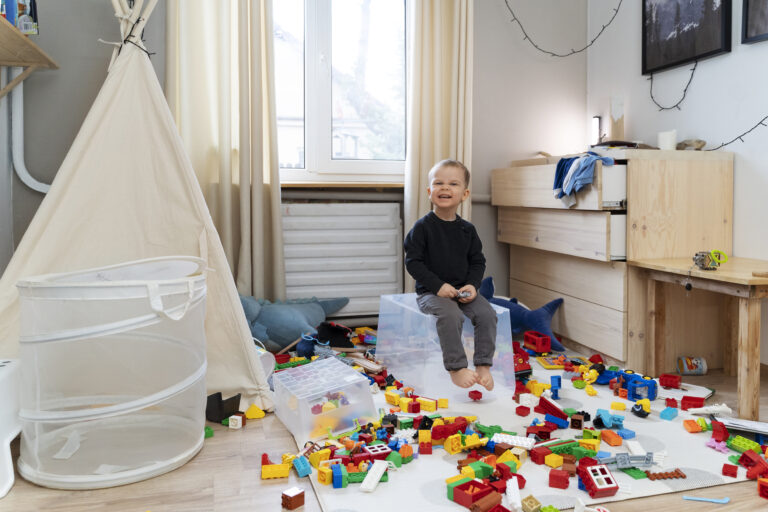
<point>450,318</point>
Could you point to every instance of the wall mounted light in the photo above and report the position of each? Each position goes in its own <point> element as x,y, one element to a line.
<point>596,131</point>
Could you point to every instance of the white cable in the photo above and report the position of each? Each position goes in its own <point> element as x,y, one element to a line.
<point>17,137</point>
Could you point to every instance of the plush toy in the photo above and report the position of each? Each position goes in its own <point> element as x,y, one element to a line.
<point>524,319</point>
<point>278,324</point>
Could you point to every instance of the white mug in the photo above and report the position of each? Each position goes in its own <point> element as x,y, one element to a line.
<point>668,140</point>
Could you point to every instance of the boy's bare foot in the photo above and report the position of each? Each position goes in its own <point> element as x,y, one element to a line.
<point>484,377</point>
<point>463,378</point>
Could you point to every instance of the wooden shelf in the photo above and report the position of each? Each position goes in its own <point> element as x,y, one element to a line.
<point>16,49</point>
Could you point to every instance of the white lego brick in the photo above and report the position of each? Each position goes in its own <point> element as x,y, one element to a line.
<point>522,442</point>
<point>528,400</point>
<point>374,475</point>
<point>634,447</point>
<point>513,496</point>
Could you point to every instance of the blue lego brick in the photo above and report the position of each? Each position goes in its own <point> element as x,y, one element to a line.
<point>603,455</point>
<point>669,413</point>
<point>555,381</point>
<point>490,445</point>
<point>625,433</point>
<point>555,393</point>
<point>337,481</point>
<point>557,421</point>
<point>640,388</point>
<point>302,466</point>
<point>581,484</point>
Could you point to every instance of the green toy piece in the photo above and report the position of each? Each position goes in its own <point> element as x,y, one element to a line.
<point>579,384</point>
<point>396,459</point>
<point>637,474</point>
<point>741,444</point>
<point>344,434</point>
<point>208,432</point>
<point>455,484</point>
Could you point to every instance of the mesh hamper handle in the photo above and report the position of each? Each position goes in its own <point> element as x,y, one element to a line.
<point>156,301</point>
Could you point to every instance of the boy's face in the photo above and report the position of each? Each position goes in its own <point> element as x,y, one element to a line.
<point>447,188</point>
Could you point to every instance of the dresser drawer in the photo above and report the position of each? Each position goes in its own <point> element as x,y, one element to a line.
<point>596,235</point>
<point>597,327</point>
<point>531,186</point>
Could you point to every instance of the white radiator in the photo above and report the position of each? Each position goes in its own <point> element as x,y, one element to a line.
<point>350,250</point>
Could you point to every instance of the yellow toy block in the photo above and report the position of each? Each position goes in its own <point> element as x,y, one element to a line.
<point>645,404</point>
<point>442,403</point>
<point>391,388</point>
<point>471,419</point>
<point>618,406</point>
<point>297,359</point>
<point>702,422</point>
<point>467,472</point>
<point>454,478</point>
<point>438,422</point>
<point>319,456</point>
<point>392,398</point>
<point>590,444</point>
<point>288,458</point>
<point>328,406</point>
<point>427,404</point>
<point>520,453</point>
<point>325,475</point>
<point>474,441</point>
<point>425,436</point>
<point>508,456</point>
<point>404,401</point>
<point>254,413</point>
<point>553,460</point>
<point>590,390</point>
<point>538,388</point>
<point>453,444</point>
<point>275,471</point>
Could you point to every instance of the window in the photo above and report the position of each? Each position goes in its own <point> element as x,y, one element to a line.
<point>340,76</point>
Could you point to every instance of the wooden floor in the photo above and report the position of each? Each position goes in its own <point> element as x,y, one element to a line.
<point>225,476</point>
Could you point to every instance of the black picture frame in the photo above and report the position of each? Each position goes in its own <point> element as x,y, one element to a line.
<point>676,32</point>
<point>754,21</point>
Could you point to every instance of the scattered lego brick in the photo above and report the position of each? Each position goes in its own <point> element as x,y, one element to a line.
<point>730,470</point>
<point>558,478</point>
<point>531,504</point>
<point>611,437</point>
<point>293,498</point>
<point>665,475</point>
<point>553,460</point>
<point>762,488</point>
<point>618,406</point>
<point>668,414</point>
<point>635,473</point>
<point>522,410</point>
<point>691,426</point>
<point>475,395</point>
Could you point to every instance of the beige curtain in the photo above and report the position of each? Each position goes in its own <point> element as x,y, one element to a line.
<point>220,87</point>
<point>440,110</point>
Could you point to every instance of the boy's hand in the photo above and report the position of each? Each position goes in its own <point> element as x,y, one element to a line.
<point>468,288</point>
<point>447,291</point>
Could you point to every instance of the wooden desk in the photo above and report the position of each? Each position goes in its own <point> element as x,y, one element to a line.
<point>734,279</point>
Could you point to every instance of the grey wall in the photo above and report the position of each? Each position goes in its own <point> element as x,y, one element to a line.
<point>524,101</point>
<point>57,101</point>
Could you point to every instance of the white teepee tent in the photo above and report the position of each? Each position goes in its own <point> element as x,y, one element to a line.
<point>126,190</point>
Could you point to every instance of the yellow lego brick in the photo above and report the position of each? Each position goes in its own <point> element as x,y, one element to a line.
<point>288,458</point>
<point>471,419</point>
<point>404,401</point>
<point>474,441</point>
<point>254,413</point>
<point>453,444</point>
<point>538,388</point>
<point>319,456</point>
<point>314,357</point>
<point>520,453</point>
<point>392,398</point>
<point>618,406</point>
<point>553,460</point>
<point>530,383</point>
<point>442,403</point>
<point>275,471</point>
<point>425,436</point>
<point>325,475</point>
<point>590,444</point>
<point>506,457</point>
<point>391,388</point>
<point>645,404</point>
<point>328,406</point>
<point>456,477</point>
<point>427,404</point>
<point>590,390</point>
<point>467,472</point>
<point>438,422</point>
<point>702,422</point>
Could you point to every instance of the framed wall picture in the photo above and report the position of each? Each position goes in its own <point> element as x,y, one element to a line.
<point>676,32</point>
<point>754,21</point>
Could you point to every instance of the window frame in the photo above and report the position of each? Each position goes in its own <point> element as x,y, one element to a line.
<point>320,166</point>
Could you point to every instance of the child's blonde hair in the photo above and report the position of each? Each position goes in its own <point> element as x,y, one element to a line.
<point>449,163</point>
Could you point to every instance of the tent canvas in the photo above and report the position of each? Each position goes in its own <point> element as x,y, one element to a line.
<point>125,191</point>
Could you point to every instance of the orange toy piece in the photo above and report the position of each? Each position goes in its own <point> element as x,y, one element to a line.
<point>691,426</point>
<point>610,437</point>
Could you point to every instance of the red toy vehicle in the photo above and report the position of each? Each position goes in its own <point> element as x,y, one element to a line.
<point>522,367</point>
<point>539,343</point>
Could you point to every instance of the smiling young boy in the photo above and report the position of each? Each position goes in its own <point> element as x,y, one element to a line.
<point>444,255</point>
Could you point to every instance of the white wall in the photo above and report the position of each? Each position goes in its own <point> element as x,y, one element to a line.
<point>57,101</point>
<point>727,97</point>
<point>524,101</point>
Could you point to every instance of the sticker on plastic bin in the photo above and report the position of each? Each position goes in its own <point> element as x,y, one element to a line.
<point>351,378</point>
<point>71,445</point>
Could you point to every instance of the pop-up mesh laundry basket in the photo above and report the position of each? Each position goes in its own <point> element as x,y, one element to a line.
<point>112,372</point>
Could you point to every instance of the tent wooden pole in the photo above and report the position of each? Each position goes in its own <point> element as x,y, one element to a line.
<point>145,15</point>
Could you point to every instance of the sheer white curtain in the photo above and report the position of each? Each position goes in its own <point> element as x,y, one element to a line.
<point>440,110</point>
<point>220,87</point>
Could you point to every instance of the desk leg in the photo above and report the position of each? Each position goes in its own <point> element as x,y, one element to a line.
<point>656,322</point>
<point>749,359</point>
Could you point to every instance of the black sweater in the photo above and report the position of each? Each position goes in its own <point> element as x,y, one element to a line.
<point>439,251</point>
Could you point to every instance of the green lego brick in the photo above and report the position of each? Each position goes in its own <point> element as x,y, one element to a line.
<point>454,484</point>
<point>570,411</point>
<point>580,452</point>
<point>567,447</point>
<point>342,452</point>
<point>579,384</point>
<point>356,478</point>
<point>511,465</point>
<point>741,444</point>
<point>374,443</point>
<point>549,508</point>
<point>590,434</point>
<point>407,459</point>
<point>396,458</point>
<point>481,469</point>
<point>385,477</point>
<point>344,476</point>
<point>734,459</point>
<point>208,432</point>
<point>637,474</point>
<point>702,422</point>
<point>613,368</point>
<point>487,431</point>
<point>509,433</point>
<point>434,415</point>
<point>405,423</point>
<point>225,422</point>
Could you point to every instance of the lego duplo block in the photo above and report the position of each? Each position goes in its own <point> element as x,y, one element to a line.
<point>499,486</point>
<point>302,466</point>
<point>538,454</point>
<point>467,493</point>
<point>590,444</point>
<point>487,502</point>
<point>481,469</point>
<point>618,406</point>
<point>455,481</point>
<point>507,456</point>
<point>730,470</point>
<point>577,421</point>
<point>275,471</point>
<point>520,453</point>
<point>522,410</point>
<point>691,426</point>
<point>762,488</point>
<point>670,402</point>
<point>425,436</point>
<point>401,401</point>
<point>425,448</point>
<point>414,407</point>
<point>625,433</point>
<point>442,403</point>
<point>589,433</point>
<point>553,460</point>
<point>580,452</point>
<point>325,475</point>
<point>598,481</point>
<point>395,458</point>
<point>741,444</point>
<point>691,402</point>
<point>452,444</point>
<point>531,504</point>
<point>558,478</point>
<point>292,498</point>
<point>623,393</point>
<point>560,423</point>
<point>610,437</point>
<point>500,448</point>
<point>719,431</point>
<point>511,464</point>
<point>668,414</point>
<point>569,467</point>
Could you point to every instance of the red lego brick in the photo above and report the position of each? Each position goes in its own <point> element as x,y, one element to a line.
<point>762,488</point>
<point>546,406</point>
<point>691,402</point>
<point>668,380</point>
<point>282,358</point>
<point>499,508</point>
<point>500,485</point>
<point>417,421</point>
<point>537,341</point>
<point>749,458</point>
<point>520,479</point>
<point>265,460</point>
<point>538,453</point>
<point>758,471</point>
<point>730,470</point>
<point>414,407</point>
<point>539,430</point>
<point>559,479</point>
<point>596,359</point>
<point>475,395</point>
<point>366,438</point>
<point>598,481</point>
<point>505,472</point>
<point>425,448</point>
<point>587,461</point>
<point>719,432</point>
<point>360,457</point>
<point>469,492</point>
<point>522,410</point>
<point>671,402</point>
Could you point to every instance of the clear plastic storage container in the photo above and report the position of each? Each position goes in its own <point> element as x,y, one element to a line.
<point>113,372</point>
